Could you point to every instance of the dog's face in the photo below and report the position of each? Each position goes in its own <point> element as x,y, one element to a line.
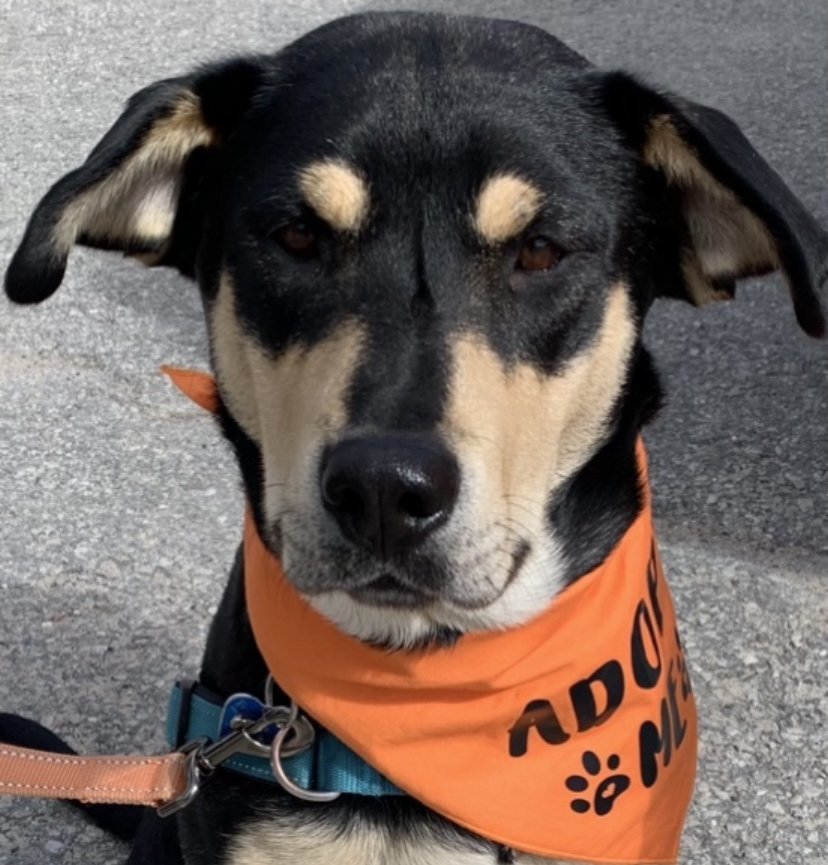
<point>423,322</point>
<point>426,248</point>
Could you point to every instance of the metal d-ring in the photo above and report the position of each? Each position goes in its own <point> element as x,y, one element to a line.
<point>303,728</point>
<point>303,731</point>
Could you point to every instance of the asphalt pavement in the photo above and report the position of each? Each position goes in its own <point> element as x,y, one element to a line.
<point>120,504</point>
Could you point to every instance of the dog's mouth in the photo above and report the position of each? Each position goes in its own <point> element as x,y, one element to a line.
<point>420,582</point>
<point>388,591</point>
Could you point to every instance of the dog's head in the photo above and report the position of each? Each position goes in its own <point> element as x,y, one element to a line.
<point>426,247</point>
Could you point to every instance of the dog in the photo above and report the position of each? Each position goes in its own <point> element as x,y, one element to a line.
<point>426,247</point>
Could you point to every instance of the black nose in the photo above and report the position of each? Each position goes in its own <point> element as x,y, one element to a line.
<point>387,493</point>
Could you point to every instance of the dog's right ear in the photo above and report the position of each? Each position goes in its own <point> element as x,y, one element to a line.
<point>136,191</point>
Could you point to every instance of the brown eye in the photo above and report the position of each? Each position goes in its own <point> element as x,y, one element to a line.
<point>299,239</point>
<point>538,253</point>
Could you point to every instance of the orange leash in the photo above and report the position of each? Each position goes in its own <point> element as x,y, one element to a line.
<point>118,780</point>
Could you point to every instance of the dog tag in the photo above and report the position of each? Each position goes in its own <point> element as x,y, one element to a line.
<point>244,707</point>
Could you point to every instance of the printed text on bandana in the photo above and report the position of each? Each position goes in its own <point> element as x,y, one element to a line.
<point>595,699</point>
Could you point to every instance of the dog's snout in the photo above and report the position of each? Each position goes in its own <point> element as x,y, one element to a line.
<point>387,493</point>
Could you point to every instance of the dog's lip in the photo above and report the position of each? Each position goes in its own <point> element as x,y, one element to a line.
<point>387,591</point>
<point>519,556</point>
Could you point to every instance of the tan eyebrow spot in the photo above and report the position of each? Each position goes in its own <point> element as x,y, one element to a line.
<point>336,193</point>
<point>505,206</point>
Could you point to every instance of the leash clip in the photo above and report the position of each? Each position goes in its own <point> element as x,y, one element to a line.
<point>242,740</point>
<point>294,735</point>
<point>204,757</point>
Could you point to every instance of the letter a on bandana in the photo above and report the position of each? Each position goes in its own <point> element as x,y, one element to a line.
<point>571,737</point>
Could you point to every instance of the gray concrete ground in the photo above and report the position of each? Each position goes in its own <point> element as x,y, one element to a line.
<point>120,507</point>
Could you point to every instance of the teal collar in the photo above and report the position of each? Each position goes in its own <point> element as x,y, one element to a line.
<point>327,765</point>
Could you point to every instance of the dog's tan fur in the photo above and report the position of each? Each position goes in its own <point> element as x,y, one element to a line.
<point>506,205</point>
<point>288,404</point>
<point>337,194</point>
<point>137,202</point>
<point>523,433</point>
<point>727,238</point>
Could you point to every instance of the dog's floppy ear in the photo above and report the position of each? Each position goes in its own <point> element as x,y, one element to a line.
<point>136,191</point>
<point>736,216</point>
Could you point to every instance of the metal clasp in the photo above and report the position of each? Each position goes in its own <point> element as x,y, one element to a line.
<point>295,734</point>
<point>241,740</point>
<point>203,757</point>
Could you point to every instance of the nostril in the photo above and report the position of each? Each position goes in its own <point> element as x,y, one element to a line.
<point>417,506</point>
<point>345,499</point>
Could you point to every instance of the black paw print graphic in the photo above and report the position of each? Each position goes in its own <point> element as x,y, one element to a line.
<point>605,793</point>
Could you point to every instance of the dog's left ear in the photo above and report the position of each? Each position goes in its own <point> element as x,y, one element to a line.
<point>735,215</point>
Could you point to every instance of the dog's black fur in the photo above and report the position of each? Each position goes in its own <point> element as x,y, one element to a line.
<point>428,107</point>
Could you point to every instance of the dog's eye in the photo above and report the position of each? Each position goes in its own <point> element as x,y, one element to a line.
<point>299,239</point>
<point>538,253</point>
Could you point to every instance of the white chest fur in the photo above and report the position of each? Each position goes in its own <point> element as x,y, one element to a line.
<point>280,839</point>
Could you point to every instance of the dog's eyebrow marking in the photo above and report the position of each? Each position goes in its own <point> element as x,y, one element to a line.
<point>337,194</point>
<point>506,205</point>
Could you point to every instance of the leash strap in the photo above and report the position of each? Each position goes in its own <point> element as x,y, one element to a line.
<point>172,781</point>
<point>116,780</point>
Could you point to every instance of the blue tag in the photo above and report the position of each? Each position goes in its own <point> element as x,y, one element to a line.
<point>244,707</point>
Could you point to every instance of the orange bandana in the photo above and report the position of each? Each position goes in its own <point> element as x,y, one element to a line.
<point>571,737</point>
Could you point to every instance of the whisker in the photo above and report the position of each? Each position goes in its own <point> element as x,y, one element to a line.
<point>278,517</point>
<point>526,531</point>
<point>522,507</point>
<point>516,534</point>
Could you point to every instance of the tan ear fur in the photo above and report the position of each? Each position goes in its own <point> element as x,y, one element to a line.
<point>135,204</point>
<point>727,239</point>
